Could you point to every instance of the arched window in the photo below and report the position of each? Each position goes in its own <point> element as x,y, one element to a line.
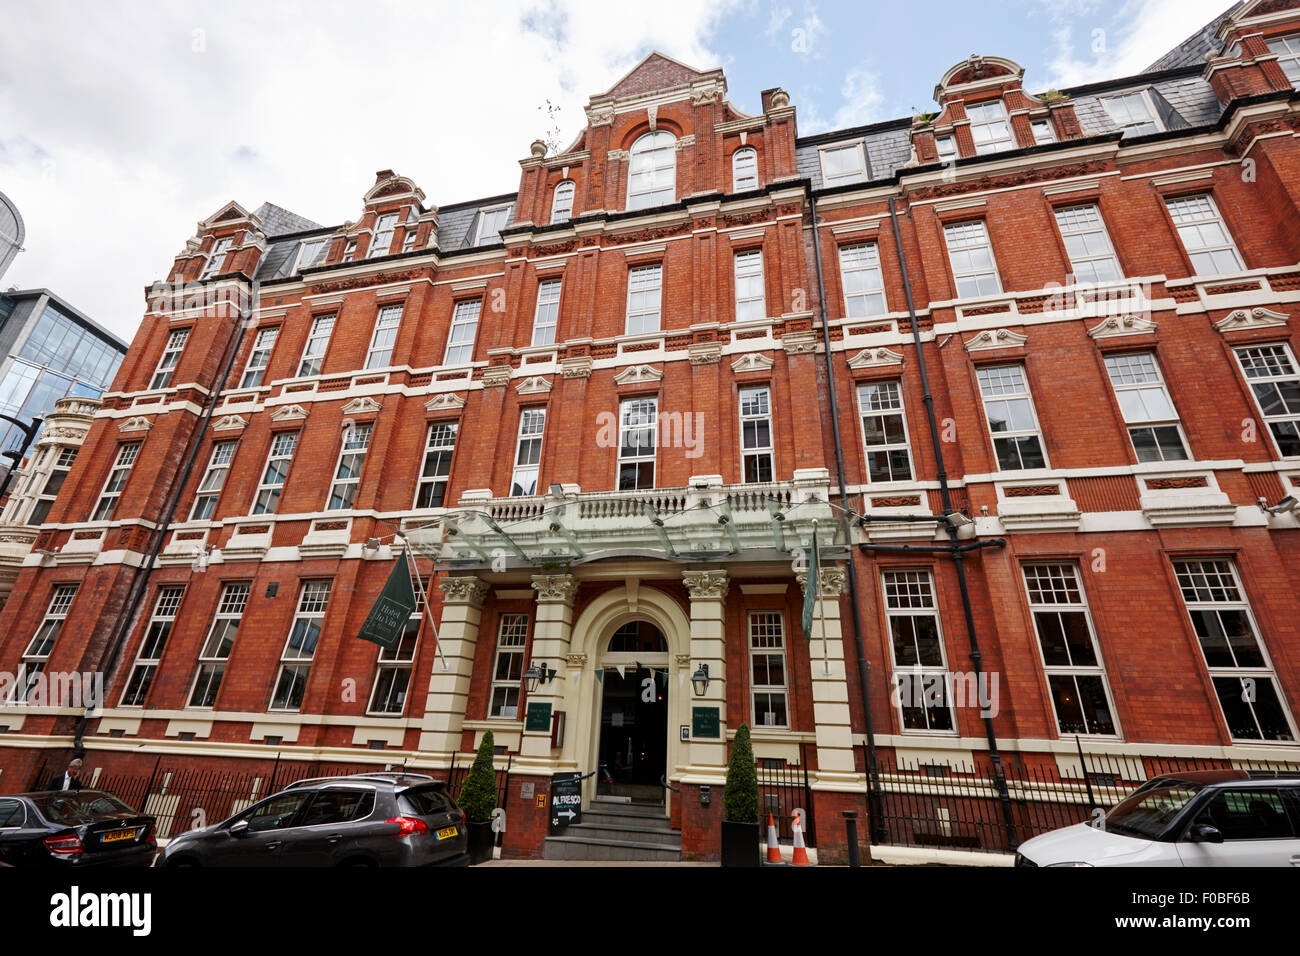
<point>744,169</point>
<point>562,202</point>
<point>652,172</point>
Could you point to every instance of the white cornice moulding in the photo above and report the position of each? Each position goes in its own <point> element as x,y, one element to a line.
<point>752,362</point>
<point>637,374</point>
<point>875,358</point>
<point>1117,325</point>
<point>289,413</point>
<point>447,400</point>
<point>137,424</point>
<point>536,385</point>
<point>996,339</point>
<point>1250,319</point>
<point>360,406</point>
<point>230,423</point>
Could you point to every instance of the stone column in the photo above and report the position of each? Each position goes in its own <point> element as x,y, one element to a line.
<point>708,590</point>
<point>444,709</point>
<point>830,690</point>
<point>552,632</point>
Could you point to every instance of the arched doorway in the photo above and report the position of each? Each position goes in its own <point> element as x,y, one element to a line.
<point>632,752</point>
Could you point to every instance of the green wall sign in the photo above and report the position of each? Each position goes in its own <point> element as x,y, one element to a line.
<point>705,722</point>
<point>539,717</point>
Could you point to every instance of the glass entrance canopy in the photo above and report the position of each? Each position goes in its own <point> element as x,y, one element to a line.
<point>771,522</point>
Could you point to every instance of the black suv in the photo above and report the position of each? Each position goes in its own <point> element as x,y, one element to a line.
<point>368,819</point>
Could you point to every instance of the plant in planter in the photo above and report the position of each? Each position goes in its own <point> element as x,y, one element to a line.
<point>740,826</point>
<point>478,798</point>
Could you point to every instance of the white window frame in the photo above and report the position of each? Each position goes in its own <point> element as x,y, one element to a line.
<point>152,645</point>
<point>645,190</point>
<point>1183,210</point>
<point>946,147</point>
<point>766,640</point>
<point>909,593</point>
<point>990,127</point>
<point>1119,108</point>
<point>644,299</point>
<point>214,653</point>
<point>349,251</point>
<point>300,646</point>
<point>546,315</point>
<point>855,174</point>
<point>562,201</point>
<point>381,239</point>
<point>384,337</point>
<point>320,248</point>
<point>1271,366</point>
<point>1287,49</point>
<point>318,343</point>
<point>965,243</point>
<point>1043,132</point>
<point>528,451</point>
<point>1139,389</point>
<point>439,450</point>
<point>744,169</point>
<point>755,410</point>
<point>52,486</point>
<point>625,427</point>
<point>397,664</point>
<point>751,296</point>
<point>512,645</point>
<point>216,257</point>
<point>283,446</point>
<point>351,463</point>
<point>170,358</point>
<point>884,400</point>
<point>1087,243</point>
<point>259,357</point>
<point>488,216</point>
<point>1005,394</point>
<point>1214,592</point>
<point>1054,588</point>
<point>214,479</point>
<point>862,280</point>
<point>118,476</point>
<point>37,653</point>
<point>460,346</point>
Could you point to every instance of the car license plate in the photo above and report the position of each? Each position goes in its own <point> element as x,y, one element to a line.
<point>446,833</point>
<point>117,836</point>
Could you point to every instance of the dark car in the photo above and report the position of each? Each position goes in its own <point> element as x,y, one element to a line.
<point>372,819</point>
<point>74,828</point>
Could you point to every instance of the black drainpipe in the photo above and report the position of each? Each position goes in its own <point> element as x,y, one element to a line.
<point>955,549</point>
<point>140,583</point>
<point>878,831</point>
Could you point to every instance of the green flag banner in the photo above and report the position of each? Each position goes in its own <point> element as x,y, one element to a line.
<point>811,588</point>
<point>394,607</point>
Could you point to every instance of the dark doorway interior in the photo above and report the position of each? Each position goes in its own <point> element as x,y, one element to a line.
<point>634,722</point>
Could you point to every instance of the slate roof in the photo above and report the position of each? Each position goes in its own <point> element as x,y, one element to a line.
<point>1191,52</point>
<point>278,221</point>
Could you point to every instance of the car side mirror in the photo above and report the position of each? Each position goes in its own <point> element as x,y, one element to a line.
<point>1204,833</point>
<point>239,828</point>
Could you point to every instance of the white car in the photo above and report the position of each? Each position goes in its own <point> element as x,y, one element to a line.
<point>1202,818</point>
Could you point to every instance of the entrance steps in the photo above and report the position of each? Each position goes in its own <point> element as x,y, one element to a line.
<point>617,830</point>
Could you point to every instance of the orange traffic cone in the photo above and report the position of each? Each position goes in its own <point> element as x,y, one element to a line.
<point>800,851</point>
<point>773,850</point>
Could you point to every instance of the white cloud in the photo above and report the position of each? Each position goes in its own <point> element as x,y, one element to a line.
<point>862,102</point>
<point>1137,35</point>
<point>116,136</point>
<point>776,21</point>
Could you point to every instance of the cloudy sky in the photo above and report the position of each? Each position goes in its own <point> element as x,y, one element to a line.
<point>122,124</point>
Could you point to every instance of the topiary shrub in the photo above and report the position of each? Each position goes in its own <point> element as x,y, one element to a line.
<point>478,794</point>
<point>740,799</point>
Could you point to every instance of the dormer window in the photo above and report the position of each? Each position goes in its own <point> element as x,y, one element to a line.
<point>744,169</point>
<point>947,147</point>
<point>382,240</point>
<point>1043,133</point>
<point>408,241</point>
<point>350,252</point>
<point>217,258</point>
<point>491,222</point>
<point>562,202</point>
<point>1133,113</point>
<point>312,252</point>
<point>843,164</point>
<point>652,171</point>
<point>989,127</point>
<point>1288,56</point>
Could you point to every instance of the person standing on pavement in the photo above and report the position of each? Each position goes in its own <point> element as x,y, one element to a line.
<point>70,779</point>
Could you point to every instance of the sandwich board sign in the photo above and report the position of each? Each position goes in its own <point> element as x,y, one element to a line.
<point>566,800</point>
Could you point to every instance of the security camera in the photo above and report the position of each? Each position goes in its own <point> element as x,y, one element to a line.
<point>1285,506</point>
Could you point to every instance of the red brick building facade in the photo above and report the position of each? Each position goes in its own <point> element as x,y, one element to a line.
<point>606,408</point>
